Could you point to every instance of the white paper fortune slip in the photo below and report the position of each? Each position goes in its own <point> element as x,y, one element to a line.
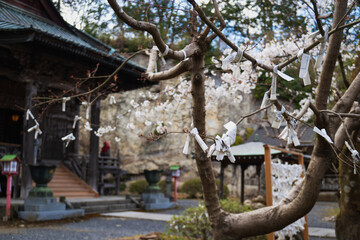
<point>324,134</point>
<point>222,145</point>
<point>354,154</point>
<point>304,67</point>
<point>320,58</point>
<point>68,138</point>
<point>276,73</point>
<point>76,119</point>
<point>194,132</point>
<point>64,100</point>
<point>278,118</point>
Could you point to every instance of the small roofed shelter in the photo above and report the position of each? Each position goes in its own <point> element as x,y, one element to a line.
<point>247,154</point>
<point>43,56</point>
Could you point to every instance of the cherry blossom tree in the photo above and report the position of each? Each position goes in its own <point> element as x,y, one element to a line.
<point>336,124</point>
<point>330,120</point>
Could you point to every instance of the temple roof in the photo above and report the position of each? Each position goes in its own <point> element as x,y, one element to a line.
<point>18,25</point>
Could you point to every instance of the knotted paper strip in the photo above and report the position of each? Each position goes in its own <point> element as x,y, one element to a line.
<point>88,127</point>
<point>265,100</point>
<point>222,145</point>
<point>68,139</point>
<point>324,134</point>
<point>304,67</point>
<point>29,114</point>
<point>237,60</point>
<point>162,55</point>
<point>87,104</point>
<point>76,119</point>
<point>37,130</point>
<point>354,154</point>
<point>185,57</point>
<point>64,100</point>
<point>195,133</point>
<point>112,100</point>
<point>320,58</point>
<point>117,139</point>
<point>278,118</point>
<point>289,134</point>
<point>277,73</point>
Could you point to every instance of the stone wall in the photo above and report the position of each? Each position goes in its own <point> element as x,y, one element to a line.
<point>138,153</point>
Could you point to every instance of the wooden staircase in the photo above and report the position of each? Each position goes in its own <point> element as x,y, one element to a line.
<point>66,183</point>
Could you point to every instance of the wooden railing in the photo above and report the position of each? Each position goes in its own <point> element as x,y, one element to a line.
<point>79,164</point>
<point>109,165</point>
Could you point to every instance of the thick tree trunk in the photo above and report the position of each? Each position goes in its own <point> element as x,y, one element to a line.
<point>204,165</point>
<point>348,221</point>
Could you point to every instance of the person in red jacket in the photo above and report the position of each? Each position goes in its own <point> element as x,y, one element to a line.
<point>105,150</point>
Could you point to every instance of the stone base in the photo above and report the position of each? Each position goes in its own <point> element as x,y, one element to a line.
<point>46,208</point>
<point>50,215</point>
<point>156,201</point>
<point>43,204</point>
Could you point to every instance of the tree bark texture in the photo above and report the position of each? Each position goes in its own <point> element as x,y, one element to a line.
<point>203,163</point>
<point>348,221</point>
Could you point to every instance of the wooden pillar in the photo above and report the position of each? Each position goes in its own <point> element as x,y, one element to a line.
<point>243,168</point>
<point>221,187</point>
<point>306,226</point>
<point>28,142</point>
<point>268,183</point>
<point>94,145</point>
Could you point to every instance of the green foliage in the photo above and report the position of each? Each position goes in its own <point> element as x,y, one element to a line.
<point>249,132</point>
<point>122,187</point>
<point>193,188</point>
<point>289,91</point>
<point>162,185</point>
<point>238,140</point>
<point>233,206</point>
<point>194,223</point>
<point>138,186</point>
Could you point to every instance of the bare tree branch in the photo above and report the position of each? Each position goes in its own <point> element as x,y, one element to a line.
<point>150,28</point>
<point>318,21</point>
<point>343,74</point>
<point>221,19</point>
<point>175,71</point>
<point>345,102</point>
<point>249,57</point>
<point>252,113</point>
<point>347,126</point>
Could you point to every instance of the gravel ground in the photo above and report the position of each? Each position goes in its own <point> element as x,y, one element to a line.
<point>96,227</point>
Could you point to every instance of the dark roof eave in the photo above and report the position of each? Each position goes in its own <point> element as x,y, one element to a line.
<point>20,36</point>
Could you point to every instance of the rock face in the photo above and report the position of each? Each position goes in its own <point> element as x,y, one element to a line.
<point>139,153</point>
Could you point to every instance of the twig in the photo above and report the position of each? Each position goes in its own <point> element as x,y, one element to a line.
<point>252,113</point>
<point>318,21</point>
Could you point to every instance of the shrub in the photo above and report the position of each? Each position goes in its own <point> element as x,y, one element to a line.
<point>162,185</point>
<point>194,223</point>
<point>138,186</point>
<point>193,188</point>
<point>122,187</point>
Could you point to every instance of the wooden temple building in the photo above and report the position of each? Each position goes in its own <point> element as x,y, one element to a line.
<point>43,56</point>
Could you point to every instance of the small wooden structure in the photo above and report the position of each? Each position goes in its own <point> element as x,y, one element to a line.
<point>247,154</point>
<point>268,180</point>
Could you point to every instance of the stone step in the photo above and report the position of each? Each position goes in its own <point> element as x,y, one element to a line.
<point>97,203</point>
<point>109,208</point>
